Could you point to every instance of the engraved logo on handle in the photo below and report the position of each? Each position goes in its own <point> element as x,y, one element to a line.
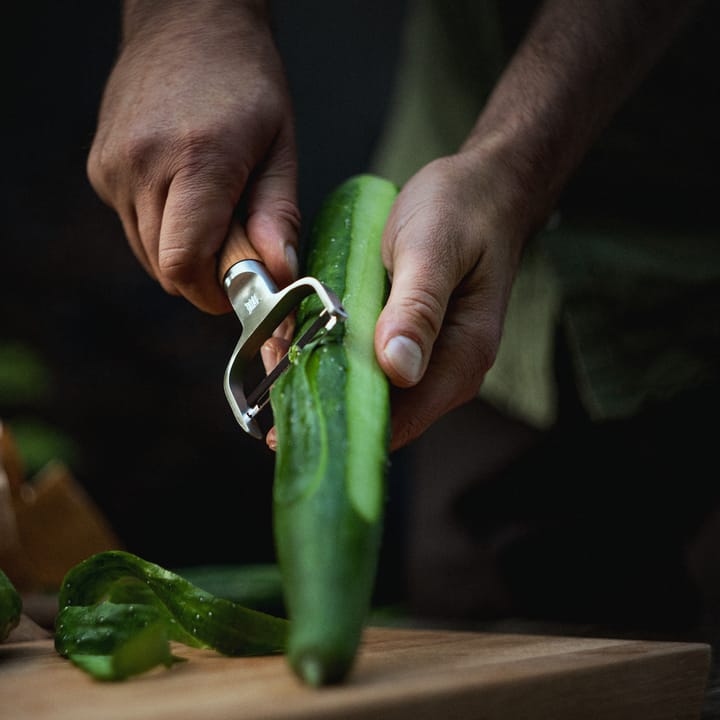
<point>251,303</point>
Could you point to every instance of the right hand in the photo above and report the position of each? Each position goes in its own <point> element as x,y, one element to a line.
<point>196,113</point>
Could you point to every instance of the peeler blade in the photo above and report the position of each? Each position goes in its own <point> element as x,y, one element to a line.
<point>259,397</point>
<point>260,307</point>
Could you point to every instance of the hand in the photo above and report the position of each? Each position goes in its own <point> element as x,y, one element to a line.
<point>454,237</point>
<point>196,114</point>
<point>452,244</point>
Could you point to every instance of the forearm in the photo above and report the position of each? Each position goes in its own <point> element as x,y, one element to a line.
<point>578,62</point>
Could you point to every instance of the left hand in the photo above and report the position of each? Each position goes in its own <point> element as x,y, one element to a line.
<point>452,245</point>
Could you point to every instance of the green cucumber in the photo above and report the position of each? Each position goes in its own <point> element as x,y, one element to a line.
<point>10,606</point>
<point>331,411</point>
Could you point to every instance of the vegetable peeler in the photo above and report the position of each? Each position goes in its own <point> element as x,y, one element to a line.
<point>260,308</point>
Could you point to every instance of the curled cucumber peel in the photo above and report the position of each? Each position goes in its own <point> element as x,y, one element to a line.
<point>119,613</point>
<point>10,606</point>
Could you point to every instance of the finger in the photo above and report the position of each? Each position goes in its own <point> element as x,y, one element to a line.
<point>424,276</point>
<point>149,212</point>
<point>271,439</point>
<point>129,220</point>
<point>195,221</point>
<point>140,212</point>
<point>285,330</point>
<point>462,355</point>
<point>273,216</point>
<point>272,351</point>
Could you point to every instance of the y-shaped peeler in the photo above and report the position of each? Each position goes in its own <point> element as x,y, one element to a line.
<point>261,307</point>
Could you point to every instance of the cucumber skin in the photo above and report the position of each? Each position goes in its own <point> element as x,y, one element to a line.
<point>199,618</point>
<point>10,606</point>
<point>327,545</point>
<point>327,551</point>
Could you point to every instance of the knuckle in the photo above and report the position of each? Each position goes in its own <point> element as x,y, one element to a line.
<point>483,346</point>
<point>475,345</point>
<point>287,211</point>
<point>424,310</point>
<point>153,155</point>
<point>103,168</point>
<point>199,158</point>
<point>175,263</point>
<point>141,150</point>
<point>410,430</point>
<point>193,147</point>
<point>133,158</point>
<point>96,174</point>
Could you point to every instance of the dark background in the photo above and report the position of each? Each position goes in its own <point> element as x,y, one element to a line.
<point>590,528</point>
<point>136,375</point>
<point>526,523</point>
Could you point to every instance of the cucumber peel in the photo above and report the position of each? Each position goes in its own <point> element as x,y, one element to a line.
<point>10,606</point>
<point>332,412</point>
<point>119,613</point>
<point>112,641</point>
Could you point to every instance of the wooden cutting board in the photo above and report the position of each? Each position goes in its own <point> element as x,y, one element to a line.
<point>400,675</point>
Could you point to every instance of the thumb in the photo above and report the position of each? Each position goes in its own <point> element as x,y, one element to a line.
<point>413,316</point>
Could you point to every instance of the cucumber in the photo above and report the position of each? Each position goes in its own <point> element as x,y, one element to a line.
<point>10,606</point>
<point>332,411</point>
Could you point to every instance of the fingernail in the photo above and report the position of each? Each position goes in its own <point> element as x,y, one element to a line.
<point>406,358</point>
<point>292,260</point>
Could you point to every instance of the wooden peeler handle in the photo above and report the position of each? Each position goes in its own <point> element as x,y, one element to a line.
<point>237,247</point>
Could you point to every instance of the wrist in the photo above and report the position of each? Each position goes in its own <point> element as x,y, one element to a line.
<point>525,185</point>
<point>572,71</point>
<point>150,16</point>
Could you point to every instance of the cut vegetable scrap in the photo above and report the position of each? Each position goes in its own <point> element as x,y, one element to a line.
<point>10,606</point>
<point>119,613</point>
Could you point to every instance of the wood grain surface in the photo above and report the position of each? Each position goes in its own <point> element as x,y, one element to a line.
<point>400,675</point>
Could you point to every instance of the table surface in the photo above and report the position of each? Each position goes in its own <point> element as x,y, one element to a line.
<point>400,674</point>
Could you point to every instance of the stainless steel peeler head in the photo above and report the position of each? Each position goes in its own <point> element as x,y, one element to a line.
<point>260,307</point>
